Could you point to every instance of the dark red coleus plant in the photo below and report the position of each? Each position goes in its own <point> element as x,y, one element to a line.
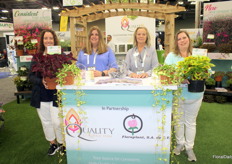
<point>48,65</point>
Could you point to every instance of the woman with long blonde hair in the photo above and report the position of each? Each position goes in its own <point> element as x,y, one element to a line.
<point>97,56</point>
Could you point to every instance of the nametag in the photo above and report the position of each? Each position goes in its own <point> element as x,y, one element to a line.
<point>140,72</point>
<point>51,50</point>
<point>91,68</point>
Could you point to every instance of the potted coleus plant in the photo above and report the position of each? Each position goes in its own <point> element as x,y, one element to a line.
<point>196,69</point>
<point>48,66</point>
<point>67,74</point>
<point>210,83</point>
<point>168,74</point>
<point>19,47</point>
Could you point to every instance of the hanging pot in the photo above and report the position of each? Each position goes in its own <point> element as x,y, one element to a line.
<point>51,83</point>
<point>196,85</point>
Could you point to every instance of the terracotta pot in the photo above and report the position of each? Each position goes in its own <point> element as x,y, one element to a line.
<point>218,78</point>
<point>69,79</point>
<point>165,80</point>
<point>31,52</point>
<point>51,83</point>
<point>19,52</point>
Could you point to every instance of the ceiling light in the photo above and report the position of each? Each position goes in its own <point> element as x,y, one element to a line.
<point>5,11</point>
<point>56,8</point>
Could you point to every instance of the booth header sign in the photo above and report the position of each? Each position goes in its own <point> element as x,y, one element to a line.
<point>215,11</point>
<point>6,26</point>
<point>72,2</point>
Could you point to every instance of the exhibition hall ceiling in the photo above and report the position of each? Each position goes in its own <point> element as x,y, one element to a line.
<point>38,4</point>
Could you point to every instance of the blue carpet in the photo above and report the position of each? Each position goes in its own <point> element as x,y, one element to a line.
<point>4,74</point>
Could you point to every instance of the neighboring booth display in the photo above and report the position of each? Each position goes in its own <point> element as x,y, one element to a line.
<point>80,16</point>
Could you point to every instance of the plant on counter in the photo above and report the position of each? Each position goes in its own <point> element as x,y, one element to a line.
<point>210,83</point>
<point>168,74</point>
<point>19,83</point>
<point>67,73</point>
<point>229,83</point>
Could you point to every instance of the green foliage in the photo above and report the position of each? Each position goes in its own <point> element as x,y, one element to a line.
<point>208,98</point>
<point>229,74</point>
<point>229,82</point>
<point>195,67</point>
<point>221,99</point>
<point>170,71</point>
<point>18,82</point>
<point>198,42</point>
<point>219,73</point>
<point>63,72</point>
<point>30,46</point>
<point>210,81</point>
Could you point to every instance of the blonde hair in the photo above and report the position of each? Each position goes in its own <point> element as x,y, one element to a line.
<point>148,41</point>
<point>102,47</point>
<point>176,48</point>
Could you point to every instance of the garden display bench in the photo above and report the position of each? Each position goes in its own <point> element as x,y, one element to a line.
<point>214,92</point>
<point>22,94</point>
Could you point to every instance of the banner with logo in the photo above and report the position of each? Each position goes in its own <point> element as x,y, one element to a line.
<point>4,26</point>
<point>217,22</point>
<point>122,29</point>
<point>112,128</point>
<point>30,22</point>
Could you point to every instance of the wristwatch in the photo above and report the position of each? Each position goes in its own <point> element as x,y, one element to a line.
<point>103,74</point>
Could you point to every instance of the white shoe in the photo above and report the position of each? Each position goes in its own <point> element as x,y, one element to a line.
<point>191,155</point>
<point>178,149</point>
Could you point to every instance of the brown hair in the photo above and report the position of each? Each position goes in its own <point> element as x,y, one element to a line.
<point>176,48</point>
<point>41,48</point>
<point>102,47</point>
<point>148,41</point>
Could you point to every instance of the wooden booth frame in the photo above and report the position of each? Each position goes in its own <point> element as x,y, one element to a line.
<point>79,17</point>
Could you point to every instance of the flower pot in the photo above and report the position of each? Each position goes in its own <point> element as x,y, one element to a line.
<point>51,83</point>
<point>19,52</point>
<point>218,84</point>
<point>209,86</point>
<point>165,80</point>
<point>218,78</point>
<point>31,52</point>
<point>20,88</point>
<point>196,85</point>
<point>69,79</point>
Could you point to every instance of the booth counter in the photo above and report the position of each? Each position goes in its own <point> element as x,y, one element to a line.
<point>117,124</point>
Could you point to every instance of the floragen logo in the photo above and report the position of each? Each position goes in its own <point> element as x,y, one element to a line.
<point>133,124</point>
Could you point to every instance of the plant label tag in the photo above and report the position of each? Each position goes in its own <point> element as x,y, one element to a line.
<point>210,36</point>
<point>18,38</point>
<point>51,50</point>
<point>140,72</point>
<point>34,41</point>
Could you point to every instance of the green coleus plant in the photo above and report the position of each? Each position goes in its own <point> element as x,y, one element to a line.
<point>195,67</point>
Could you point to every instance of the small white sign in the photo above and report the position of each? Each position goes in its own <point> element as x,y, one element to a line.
<point>210,36</point>
<point>34,41</point>
<point>199,52</point>
<point>26,58</point>
<point>51,50</point>
<point>72,2</point>
<point>17,38</point>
